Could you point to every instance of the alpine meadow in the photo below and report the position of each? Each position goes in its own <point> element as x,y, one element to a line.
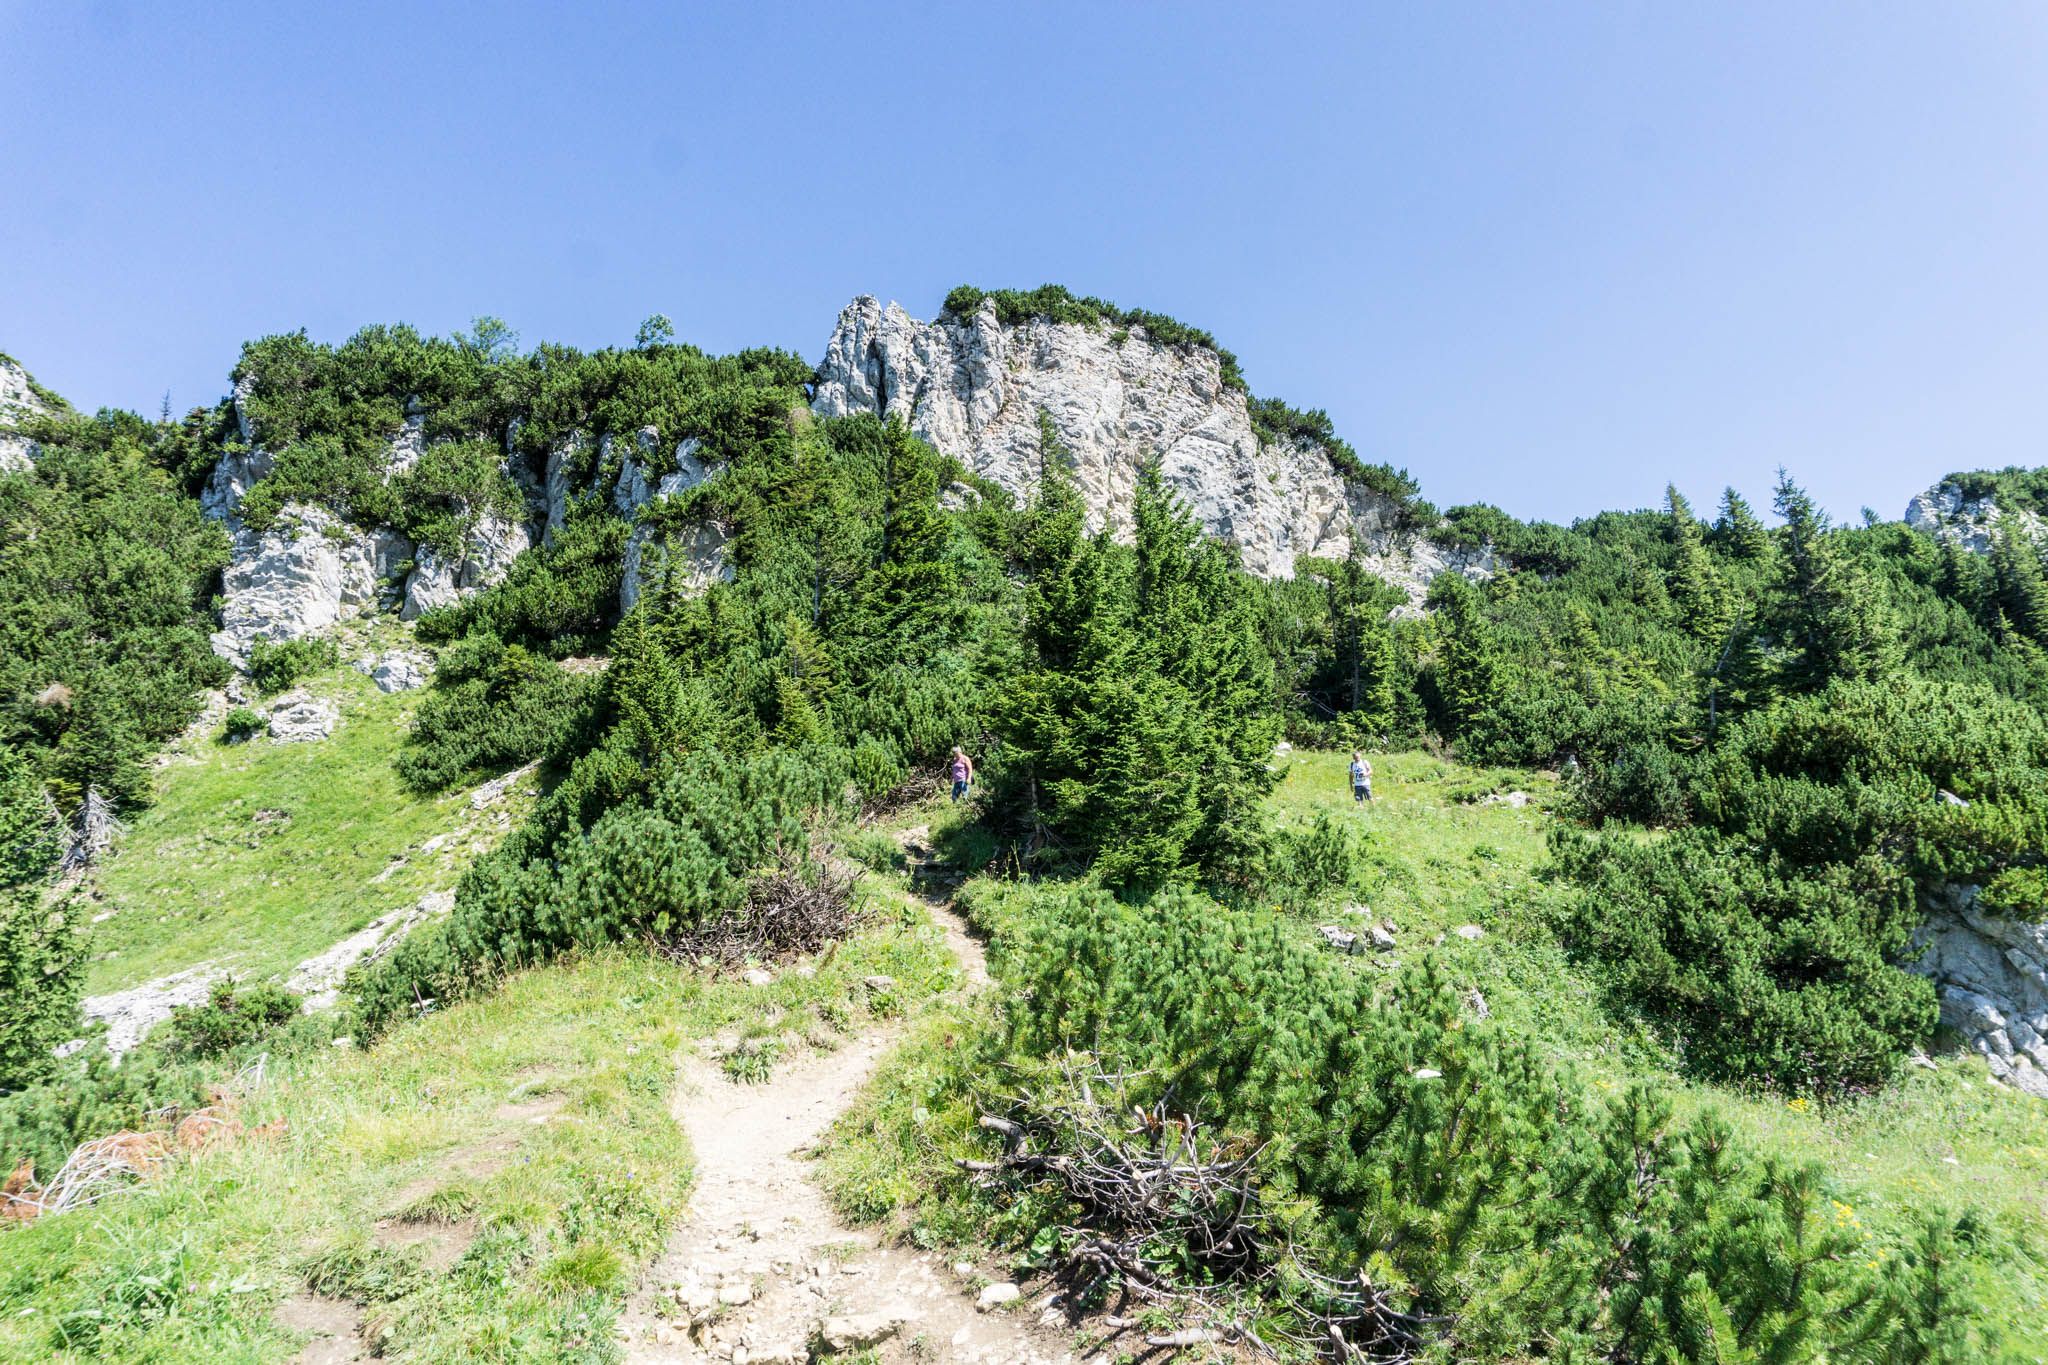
<point>999,844</point>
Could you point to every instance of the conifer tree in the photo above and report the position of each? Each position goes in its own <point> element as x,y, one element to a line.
<point>1699,598</point>
<point>2019,586</point>
<point>1471,666</point>
<point>1738,528</point>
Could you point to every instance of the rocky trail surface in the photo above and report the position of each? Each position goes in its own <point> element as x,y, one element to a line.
<point>764,1271</point>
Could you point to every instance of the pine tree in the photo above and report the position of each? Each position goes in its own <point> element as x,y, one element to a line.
<point>1738,529</point>
<point>1471,666</point>
<point>2019,586</point>
<point>1700,599</point>
<point>1805,524</point>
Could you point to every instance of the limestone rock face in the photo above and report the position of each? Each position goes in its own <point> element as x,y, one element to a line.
<point>688,558</point>
<point>974,390</point>
<point>1971,523</point>
<point>486,557</point>
<point>19,402</point>
<point>1992,977</point>
<point>306,573</point>
<point>231,480</point>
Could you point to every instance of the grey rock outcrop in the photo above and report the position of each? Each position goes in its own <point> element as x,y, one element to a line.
<point>304,574</point>
<point>19,402</point>
<point>486,556</point>
<point>974,389</point>
<point>399,670</point>
<point>311,570</point>
<point>239,471</point>
<point>1991,974</point>
<point>1971,523</point>
<point>300,717</point>
<point>686,558</point>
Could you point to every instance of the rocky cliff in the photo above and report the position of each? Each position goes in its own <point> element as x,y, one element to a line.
<point>975,387</point>
<point>1992,977</point>
<point>21,400</point>
<point>1948,513</point>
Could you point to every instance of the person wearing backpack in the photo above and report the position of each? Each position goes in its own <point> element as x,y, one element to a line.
<point>1361,778</point>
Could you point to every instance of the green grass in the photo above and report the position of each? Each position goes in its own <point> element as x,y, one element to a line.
<point>484,1185</point>
<point>258,855</point>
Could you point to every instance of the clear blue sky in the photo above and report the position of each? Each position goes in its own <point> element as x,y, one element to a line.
<point>1544,255</point>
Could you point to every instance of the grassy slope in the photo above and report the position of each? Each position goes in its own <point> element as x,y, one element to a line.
<point>487,1182</point>
<point>199,878</point>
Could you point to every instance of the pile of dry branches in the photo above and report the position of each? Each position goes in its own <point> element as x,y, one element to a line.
<point>796,908</point>
<point>103,1165</point>
<point>1176,1219</point>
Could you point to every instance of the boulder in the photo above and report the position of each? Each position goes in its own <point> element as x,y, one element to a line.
<point>975,387</point>
<point>846,1334</point>
<point>297,717</point>
<point>1991,976</point>
<point>401,670</point>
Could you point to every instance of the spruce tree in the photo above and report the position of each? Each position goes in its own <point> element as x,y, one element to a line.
<point>1739,530</point>
<point>2019,586</point>
<point>1700,600</point>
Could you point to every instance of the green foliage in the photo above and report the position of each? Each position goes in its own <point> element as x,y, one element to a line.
<point>1506,1207</point>
<point>1142,733</point>
<point>494,706</point>
<point>39,957</point>
<point>107,572</point>
<point>241,724</point>
<point>1764,937</point>
<point>233,1016</point>
<point>275,667</point>
<point>2014,488</point>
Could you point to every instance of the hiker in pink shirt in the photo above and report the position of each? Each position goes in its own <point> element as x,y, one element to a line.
<point>963,772</point>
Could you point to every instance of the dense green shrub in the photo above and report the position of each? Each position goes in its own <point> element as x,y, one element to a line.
<point>275,667</point>
<point>241,724</point>
<point>1504,1206</point>
<point>40,959</point>
<point>560,600</point>
<point>649,869</point>
<point>233,1015</point>
<point>494,706</point>
<point>107,571</point>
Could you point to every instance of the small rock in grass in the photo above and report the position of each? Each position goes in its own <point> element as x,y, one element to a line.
<point>756,977</point>
<point>879,983</point>
<point>995,1295</point>
<point>1470,931</point>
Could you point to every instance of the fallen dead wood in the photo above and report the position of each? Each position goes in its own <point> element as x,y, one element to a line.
<point>1176,1218</point>
<point>796,908</point>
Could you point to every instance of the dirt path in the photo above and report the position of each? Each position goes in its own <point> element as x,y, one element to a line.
<point>764,1273</point>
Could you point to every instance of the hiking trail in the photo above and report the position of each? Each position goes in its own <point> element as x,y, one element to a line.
<point>763,1272</point>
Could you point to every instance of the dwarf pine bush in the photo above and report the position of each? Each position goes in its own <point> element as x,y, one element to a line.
<point>1513,1210</point>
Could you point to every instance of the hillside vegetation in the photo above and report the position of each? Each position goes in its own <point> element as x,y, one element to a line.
<point>1658,808</point>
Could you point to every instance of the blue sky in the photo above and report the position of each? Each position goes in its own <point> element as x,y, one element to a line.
<point>1543,255</point>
